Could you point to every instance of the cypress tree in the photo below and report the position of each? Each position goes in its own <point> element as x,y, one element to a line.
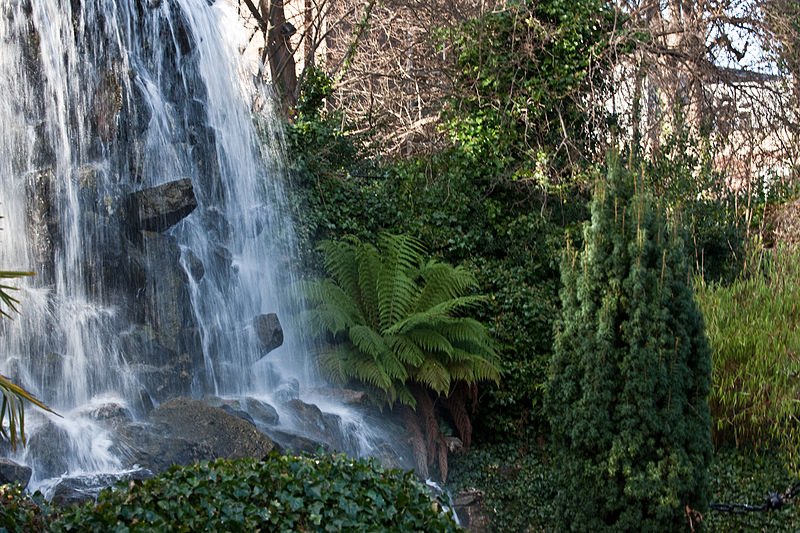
<point>630,374</point>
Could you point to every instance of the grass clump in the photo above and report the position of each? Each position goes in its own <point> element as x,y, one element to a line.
<point>754,329</point>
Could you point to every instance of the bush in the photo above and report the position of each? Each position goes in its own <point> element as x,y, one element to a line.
<point>754,329</point>
<point>630,373</point>
<point>280,493</point>
<point>21,512</point>
<point>517,483</point>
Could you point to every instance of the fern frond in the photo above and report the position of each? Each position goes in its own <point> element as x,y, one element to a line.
<point>430,341</point>
<point>341,265</point>
<point>368,342</point>
<point>405,397</point>
<point>370,372</point>
<point>443,282</point>
<point>433,375</point>
<point>446,309</point>
<point>397,288</point>
<point>407,351</point>
<point>369,265</point>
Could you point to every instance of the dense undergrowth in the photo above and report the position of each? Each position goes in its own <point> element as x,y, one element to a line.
<point>519,487</point>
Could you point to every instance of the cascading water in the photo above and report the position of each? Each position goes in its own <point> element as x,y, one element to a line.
<point>101,99</point>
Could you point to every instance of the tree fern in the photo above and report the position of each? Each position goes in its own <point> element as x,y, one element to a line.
<point>401,319</point>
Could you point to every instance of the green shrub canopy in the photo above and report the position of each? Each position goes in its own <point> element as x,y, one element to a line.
<point>630,375</point>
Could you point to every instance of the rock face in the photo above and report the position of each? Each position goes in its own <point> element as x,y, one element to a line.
<point>183,431</point>
<point>11,472</point>
<point>78,489</point>
<point>468,505</point>
<point>269,332</point>
<point>159,208</point>
<point>318,426</point>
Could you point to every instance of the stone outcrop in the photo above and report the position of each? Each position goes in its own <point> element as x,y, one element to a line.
<point>269,332</point>
<point>183,430</point>
<point>161,207</point>
<point>12,472</point>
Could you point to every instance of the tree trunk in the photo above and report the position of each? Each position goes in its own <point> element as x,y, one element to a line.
<point>279,53</point>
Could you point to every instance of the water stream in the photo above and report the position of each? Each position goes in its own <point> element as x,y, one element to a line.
<point>100,99</point>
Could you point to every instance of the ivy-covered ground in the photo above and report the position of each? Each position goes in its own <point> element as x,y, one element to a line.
<point>519,487</point>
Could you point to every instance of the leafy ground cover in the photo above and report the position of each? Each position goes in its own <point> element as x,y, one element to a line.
<point>277,494</point>
<point>519,486</point>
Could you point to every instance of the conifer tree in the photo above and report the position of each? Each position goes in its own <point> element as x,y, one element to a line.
<point>630,374</point>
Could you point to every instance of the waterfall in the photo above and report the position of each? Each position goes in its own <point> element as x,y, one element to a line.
<point>103,101</point>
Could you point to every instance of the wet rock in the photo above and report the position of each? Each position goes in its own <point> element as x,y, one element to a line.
<point>194,265</point>
<point>269,332</point>
<point>42,222</point>
<point>150,447</point>
<point>111,414</point>
<point>225,434</point>
<point>50,448</point>
<point>166,381</point>
<point>468,505</point>
<point>345,396</point>
<point>239,413</point>
<point>292,443</point>
<point>261,411</point>
<point>159,208</point>
<point>13,472</point>
<point>79,489</point>
<point>312,422</point>
<point>287,391</point>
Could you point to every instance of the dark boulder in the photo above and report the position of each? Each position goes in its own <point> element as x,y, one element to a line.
<point>78,489</point>
<point>49,447</point>
<point>161,207</point>
<point>269,332</point>
<point>183,431</point>
<point>12,472</point>
<point>310,421</point>
<point>261,411</point>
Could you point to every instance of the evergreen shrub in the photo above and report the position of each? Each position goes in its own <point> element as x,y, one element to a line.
<point>630,374</point>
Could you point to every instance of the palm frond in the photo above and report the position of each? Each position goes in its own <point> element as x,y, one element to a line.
<point>9,301</point>
<point>13,407</point>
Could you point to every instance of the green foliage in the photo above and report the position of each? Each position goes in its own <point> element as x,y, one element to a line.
<point>517,482</point>
<point>630,373</point>
<point>320,146</point>
<point>509,235</point>
<point>20,512</point>
<point>754,329</point>
<point>12,405</point>
<point>398,318</point>
<point>523,73</point>
<point>744,477</point>
<point>681,174</point>
<point>280,493</point>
